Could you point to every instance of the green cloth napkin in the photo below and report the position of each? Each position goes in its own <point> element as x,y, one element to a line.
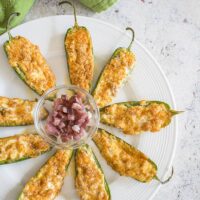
<point>9,6</point>
<point>98,5</point>
<point>23,6</point>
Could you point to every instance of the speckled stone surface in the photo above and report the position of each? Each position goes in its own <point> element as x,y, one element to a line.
<point>170,29</point>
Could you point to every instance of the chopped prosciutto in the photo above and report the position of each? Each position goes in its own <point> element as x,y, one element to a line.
<point>68,119</point>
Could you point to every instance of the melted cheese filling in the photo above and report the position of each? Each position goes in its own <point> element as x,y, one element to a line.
<point>15,111</point>
<point>137,119</point>
<point>90,182</point>
<point>126,160</point>
<point>49,180</point>
<point>27,59</point>
<point>113,76</point>
<point>21,146</point>
<point>80,57</point>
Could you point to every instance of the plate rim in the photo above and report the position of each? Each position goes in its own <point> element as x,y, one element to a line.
<point>150,56</point>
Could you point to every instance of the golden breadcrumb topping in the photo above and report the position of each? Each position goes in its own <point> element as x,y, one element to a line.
<point>21,146</point>
<point>49,180</point>
<point>137,119</point>
<point>80,58</point>
<point>114,74</point>
<point>29,63</point>
<point>15,111</point>
<point>123,158</point>
<point>90,182</point>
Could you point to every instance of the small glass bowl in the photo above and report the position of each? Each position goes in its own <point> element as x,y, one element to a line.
<point>46,101</point>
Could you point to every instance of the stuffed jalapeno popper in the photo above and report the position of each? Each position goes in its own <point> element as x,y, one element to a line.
<point>90,181</point>
<point>135,117</point>
<point>17,112</point>
<point>114,74</point>
<point>21,147</point>
<point>126,159</point>
<point>79,52</point>
<point>47,183</point>
<point>28,62</point>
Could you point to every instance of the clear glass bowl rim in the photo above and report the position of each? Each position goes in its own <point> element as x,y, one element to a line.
<point>37,118</point>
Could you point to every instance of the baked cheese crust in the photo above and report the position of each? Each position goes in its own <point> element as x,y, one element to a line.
<point>123,158</point>
<point>30,64</point>
<point>136,119</point>
<point>90,180</point>
<point>23,146</point>
<point>49,180</point>
<point>16,111</point>
<point>112,77</point>
<point>80,58</point>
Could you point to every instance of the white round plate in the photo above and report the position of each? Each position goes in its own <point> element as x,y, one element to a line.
<point>146,82</point>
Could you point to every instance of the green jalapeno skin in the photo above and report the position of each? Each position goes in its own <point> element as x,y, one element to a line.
<point>28,62</point>
<point>21,147</point>
<point>84,156</point>
<point>114,74</point>
<point>135,117</point>
<point>79,54</point>
<point>18,112</point>
<point>125,158</point>
<point>128,161</point>
<point>47,183</point>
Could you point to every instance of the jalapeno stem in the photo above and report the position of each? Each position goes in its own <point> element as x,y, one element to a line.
<point>133,36</point>
<point>71,4</point>
<point>174,112</point>
<point>168,179</point>
<point>8,23</point>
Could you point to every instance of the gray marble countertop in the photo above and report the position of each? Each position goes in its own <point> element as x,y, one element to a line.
<point>170,29</point>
